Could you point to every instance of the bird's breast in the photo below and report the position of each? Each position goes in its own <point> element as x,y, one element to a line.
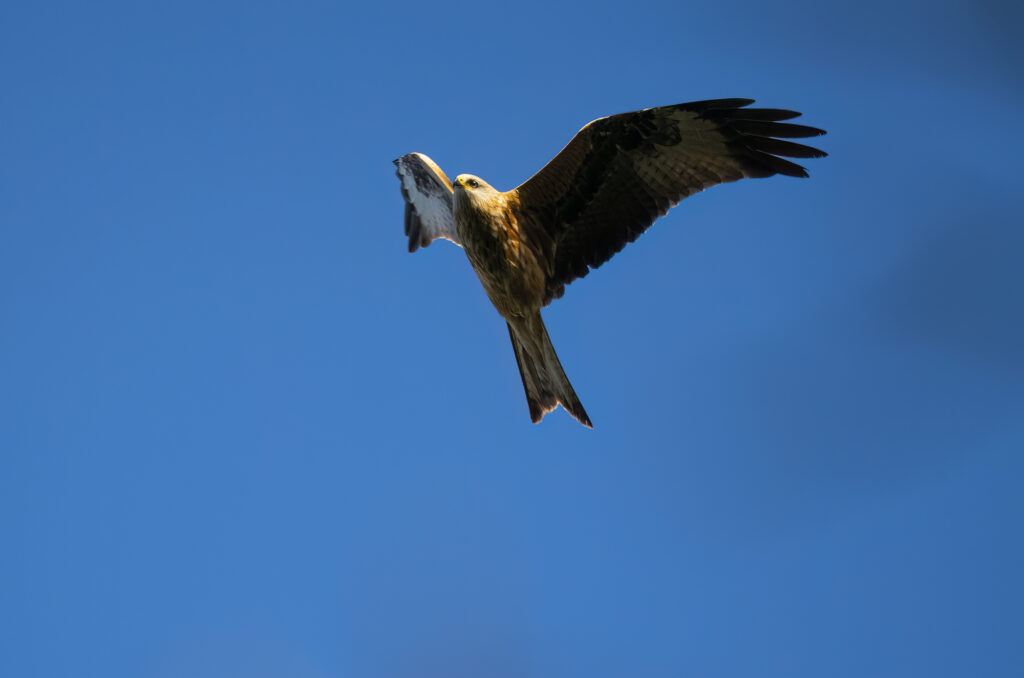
<point>503,260</point>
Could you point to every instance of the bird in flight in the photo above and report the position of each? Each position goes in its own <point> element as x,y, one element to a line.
<point>607,186</point>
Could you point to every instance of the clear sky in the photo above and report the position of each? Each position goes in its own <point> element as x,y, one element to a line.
<point>244,432</point>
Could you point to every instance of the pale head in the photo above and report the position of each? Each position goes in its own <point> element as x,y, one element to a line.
<point>472,184</point>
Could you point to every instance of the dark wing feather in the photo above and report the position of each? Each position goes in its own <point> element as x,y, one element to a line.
<point>621,173</point>
<point>428,201</point>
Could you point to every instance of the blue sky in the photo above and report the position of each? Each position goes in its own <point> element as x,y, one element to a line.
<point>243,432</point>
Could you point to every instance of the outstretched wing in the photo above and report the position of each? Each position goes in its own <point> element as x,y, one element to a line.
<point>428,201</point>
<point>621,173</point>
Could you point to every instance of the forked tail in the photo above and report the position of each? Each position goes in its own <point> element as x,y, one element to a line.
<point>543,377</point>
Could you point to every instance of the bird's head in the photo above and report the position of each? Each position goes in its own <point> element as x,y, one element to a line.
<point>475,194</point>
<point>472,184</point>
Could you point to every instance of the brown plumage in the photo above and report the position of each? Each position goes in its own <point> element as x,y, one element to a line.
<point>607,186</point>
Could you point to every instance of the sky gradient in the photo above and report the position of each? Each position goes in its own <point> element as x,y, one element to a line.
<point>244,432</point>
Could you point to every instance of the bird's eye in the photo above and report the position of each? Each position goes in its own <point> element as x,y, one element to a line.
<point>473,183</point>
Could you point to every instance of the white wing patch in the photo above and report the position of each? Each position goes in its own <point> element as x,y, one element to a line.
<point>428,201</point>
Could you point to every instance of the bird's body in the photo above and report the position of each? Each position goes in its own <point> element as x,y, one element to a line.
<point>510,266</point>
<point>616,177</point>
<point>509,252</point>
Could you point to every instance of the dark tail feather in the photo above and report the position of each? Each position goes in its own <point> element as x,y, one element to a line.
<point>543,377</point>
